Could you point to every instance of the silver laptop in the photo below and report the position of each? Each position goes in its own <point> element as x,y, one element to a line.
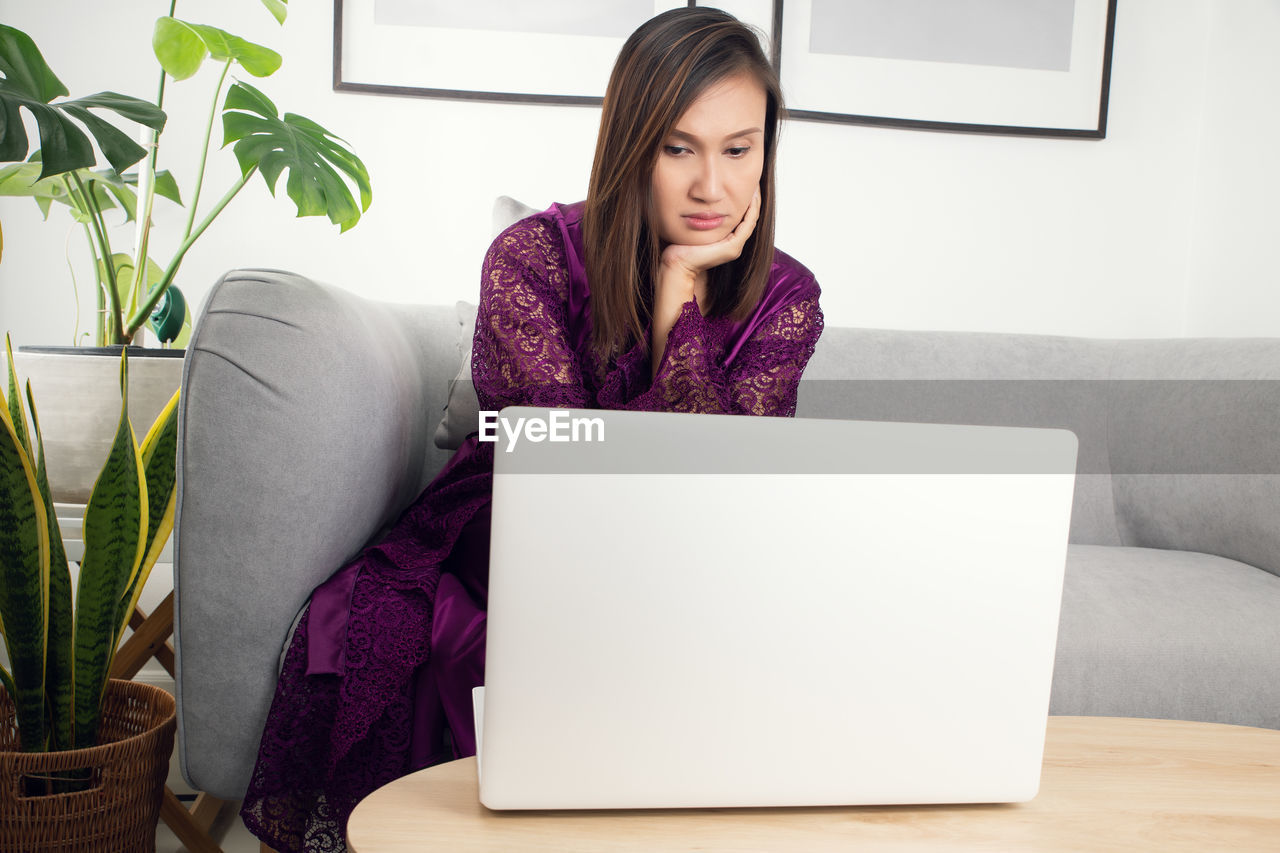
<point>716,611</point>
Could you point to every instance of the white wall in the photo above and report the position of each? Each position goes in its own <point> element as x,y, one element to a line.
<point>1235,265</point>
<point>1162,229</point>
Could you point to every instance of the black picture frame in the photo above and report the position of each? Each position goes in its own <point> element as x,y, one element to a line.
<point>342,84</point>
<point>1097,130</point>
<point>796,108</point>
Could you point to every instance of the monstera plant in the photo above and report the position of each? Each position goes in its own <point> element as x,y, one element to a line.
<point>60,655</point>
<point>132,287</point>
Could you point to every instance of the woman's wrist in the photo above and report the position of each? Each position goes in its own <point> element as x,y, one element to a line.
<point>677,282</point>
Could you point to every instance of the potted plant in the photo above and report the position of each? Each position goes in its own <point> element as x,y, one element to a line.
<point>133,288</point>
<point>83,758</point>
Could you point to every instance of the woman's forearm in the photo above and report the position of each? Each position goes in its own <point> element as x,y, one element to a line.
<point>675,288</point>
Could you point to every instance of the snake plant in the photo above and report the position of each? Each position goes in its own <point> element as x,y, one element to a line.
<point>60,657</point>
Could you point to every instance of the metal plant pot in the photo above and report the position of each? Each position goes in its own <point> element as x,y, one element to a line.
<point>77,394</point>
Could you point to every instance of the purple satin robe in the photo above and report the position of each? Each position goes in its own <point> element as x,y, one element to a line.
<point>383,661</point>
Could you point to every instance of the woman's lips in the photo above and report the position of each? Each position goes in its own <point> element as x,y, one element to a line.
<point>704,222</point>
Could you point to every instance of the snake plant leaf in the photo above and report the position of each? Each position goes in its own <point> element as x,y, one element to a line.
<point>58,659</point>
<point>265,141</point>
<point>181,48</point>
<point>159,459</point>
<point>16,414</point>
<point>24,583</point>
<point>279,9</point>
<point>115,522</point>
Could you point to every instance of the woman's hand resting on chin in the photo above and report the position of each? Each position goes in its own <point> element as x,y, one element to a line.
<point>682,275</point>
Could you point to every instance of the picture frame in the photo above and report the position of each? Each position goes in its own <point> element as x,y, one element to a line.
<point>445,48</point>
<point>1033,69</point>
<point>1015,67</point>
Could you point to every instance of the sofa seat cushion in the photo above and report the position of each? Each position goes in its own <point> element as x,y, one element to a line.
<point>1168,634</point>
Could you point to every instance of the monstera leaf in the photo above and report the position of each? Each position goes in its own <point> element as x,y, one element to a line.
<point>28,82</point>
<point>182,47</point>
<point>279,9</point>
<point>110,189</point>
<point>270,144</point>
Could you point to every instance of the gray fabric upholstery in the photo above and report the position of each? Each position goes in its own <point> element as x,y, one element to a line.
<point>1170,634</point>
<point>1199,465</point>
<point>934,376</point>
<point>299,438</point>
<point>306,422</point>
<point>462,409</point>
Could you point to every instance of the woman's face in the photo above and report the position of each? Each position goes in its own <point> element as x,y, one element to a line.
<point>710,164</point>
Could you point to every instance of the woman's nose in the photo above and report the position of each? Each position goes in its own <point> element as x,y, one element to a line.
<point>708,184</point>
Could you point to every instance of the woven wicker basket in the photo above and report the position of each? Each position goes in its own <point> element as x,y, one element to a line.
<point>119,811</point>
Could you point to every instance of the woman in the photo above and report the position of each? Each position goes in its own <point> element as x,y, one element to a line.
<point>661,292</point>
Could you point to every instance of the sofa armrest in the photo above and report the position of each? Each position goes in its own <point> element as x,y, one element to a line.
<point>305,426</point>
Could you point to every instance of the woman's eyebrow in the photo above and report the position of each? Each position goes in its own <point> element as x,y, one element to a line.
<point>689,137</point>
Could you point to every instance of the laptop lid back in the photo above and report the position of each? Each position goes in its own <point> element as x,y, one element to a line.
<point>703,611</point>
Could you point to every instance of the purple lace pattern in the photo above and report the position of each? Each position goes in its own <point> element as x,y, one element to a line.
<point>330,740</point>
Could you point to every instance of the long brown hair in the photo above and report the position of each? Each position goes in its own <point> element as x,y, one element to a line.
<point>666,65</point>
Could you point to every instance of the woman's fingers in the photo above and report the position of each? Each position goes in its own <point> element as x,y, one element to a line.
<point>747,226</point>
<point>698,259</point>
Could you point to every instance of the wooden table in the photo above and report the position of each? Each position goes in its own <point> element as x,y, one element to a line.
<point>1109,784</point>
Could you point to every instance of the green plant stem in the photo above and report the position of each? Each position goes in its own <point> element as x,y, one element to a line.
<point>204,151</point>
<point>147,192</point>
<point>75,286</point>
<point>100,316</point>
<point>173,7</point>
<point>89,204</point>
<point>153,297</point>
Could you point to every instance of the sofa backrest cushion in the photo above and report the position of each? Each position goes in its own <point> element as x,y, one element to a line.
<point>976,378</point>
<point>1196,453</point>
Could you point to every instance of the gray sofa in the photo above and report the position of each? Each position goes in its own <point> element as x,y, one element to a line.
<point>307,420</point>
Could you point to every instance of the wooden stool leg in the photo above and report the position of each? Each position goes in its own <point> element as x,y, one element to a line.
<point>150,638</point>
<point>194,836</point>
<point>204,811</point>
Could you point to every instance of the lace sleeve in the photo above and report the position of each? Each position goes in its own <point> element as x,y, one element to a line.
<point>520,355</point>
<point>764,379</point>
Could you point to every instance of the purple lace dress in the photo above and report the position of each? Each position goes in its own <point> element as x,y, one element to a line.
<point>383,661</point>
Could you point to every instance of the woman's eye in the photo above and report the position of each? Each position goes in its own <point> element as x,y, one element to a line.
<point>738,152</point>
<point>674,150</point>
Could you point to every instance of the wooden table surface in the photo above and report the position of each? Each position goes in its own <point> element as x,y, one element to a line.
<point>1109,784</point>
